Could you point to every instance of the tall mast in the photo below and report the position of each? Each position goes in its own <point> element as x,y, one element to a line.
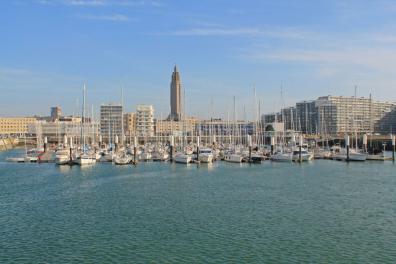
<point>356,139</point>
<point>83,119</point>
<point>122,115</point>
<point>234,125</point>
<point>92,125</point>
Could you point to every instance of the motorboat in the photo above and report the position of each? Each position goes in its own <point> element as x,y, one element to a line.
<point>107,157</point>
<point>305,155</point>
<point>282,157</point>
<point>160,156</point>
<point>339,153</point>
<point>16,159</point>
<point>233,158</point>
<point>62,157</point>
<point>256,157</point>
<point>205,155</point>
<point>320,153</point>
<point>145,156</point>
<point>123,159</point>
<point>182,158</point>
<point>378,157</point>
<point>85,159</point>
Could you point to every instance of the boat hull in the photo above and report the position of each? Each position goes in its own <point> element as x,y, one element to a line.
<point>233,158</point>
<point>183,159</point>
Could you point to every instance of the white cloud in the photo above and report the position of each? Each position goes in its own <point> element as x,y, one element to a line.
<point>215,32</point>
<point>85,2</point>
<point>364,57</point>
<point>100,3</point>
<point>112,17</point>
<point>219,31</point>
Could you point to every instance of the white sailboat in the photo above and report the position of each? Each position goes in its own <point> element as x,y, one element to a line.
<point>233,156</point>
<point>85,158</point>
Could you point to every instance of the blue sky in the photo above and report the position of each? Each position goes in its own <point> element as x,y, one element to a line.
<point>223,48</point>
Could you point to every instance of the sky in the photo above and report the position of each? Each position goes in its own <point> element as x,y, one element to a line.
<point>287,51</point>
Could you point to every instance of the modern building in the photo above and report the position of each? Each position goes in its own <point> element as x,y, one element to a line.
<point>145,120</point>
<point>56,113</point>
<point>221,127</point>
<point>15,125</point>
<point>130,124</point>
<point>306,117</point>
<point>271,118</point>
<point>175,97</point>
<point>339,114</point>
<point>336,115</point>
<point>170,127</point>
<point>111,121</point>
<point>288,118</point>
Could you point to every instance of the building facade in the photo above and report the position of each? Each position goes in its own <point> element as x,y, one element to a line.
<point>15,125</point>
<point>335,115</point>
<point>306,117</point>
<point>56,113</point>
<point>339,114</point>
<point>170,127</point>
<point>145,120</point>
<point>288,118</point>
<point>55,131</point>
<point>111,121</point>
<point>221,127</point>
<point>130,124</point>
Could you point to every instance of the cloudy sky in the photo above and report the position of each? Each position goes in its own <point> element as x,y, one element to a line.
<point>223,48</point>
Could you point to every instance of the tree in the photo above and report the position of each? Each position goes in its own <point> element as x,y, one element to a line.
<point>269,128</point>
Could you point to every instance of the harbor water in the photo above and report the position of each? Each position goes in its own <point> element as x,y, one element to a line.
<point>318,212</point>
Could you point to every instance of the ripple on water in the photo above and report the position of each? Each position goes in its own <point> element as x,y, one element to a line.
<point>320,212</point>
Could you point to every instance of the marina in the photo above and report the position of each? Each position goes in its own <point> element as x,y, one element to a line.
<point>193,150</point>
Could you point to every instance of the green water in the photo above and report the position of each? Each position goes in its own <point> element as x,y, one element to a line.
<point>319,212</point>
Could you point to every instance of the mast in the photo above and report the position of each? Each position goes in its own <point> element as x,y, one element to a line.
<point>122,115</point>
<point>283,118</point>
<point>234,125</point>
<point>356,138</point>
<point>83,119</point>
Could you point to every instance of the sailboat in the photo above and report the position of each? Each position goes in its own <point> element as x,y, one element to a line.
<point>85,158</point>
<point>28,157</point>
<point>233,156</point>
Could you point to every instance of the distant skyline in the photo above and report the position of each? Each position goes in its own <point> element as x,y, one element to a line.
<point>223,48</point>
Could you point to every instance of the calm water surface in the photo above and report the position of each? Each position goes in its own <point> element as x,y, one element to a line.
<point>319,212</point>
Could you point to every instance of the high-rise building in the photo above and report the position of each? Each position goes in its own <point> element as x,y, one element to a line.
<point>340,114</point>
<point>145,120</point>
<point>288,117</point>
<point>306,117</point>
<point>56,113</point>
<point>336,115</point>
<point>111,121</point>
<point>175,96</point>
